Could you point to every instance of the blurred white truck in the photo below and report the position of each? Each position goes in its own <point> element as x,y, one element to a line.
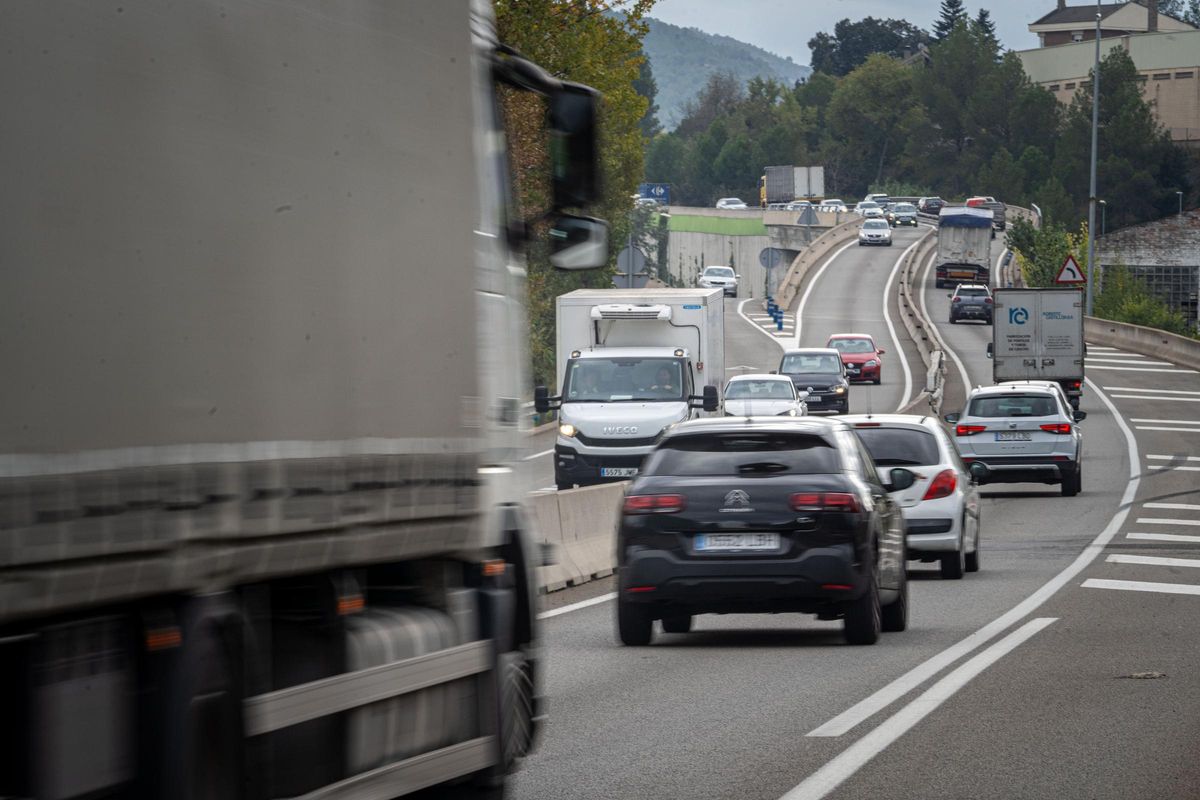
<point>1037,334</point>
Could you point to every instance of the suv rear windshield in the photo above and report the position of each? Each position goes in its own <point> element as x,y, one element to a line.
<point>965,292</point>
<point>1013,405</point>
<point>891,447</point>
<point>744,454</point>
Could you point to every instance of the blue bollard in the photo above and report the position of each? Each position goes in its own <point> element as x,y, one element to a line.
<point>779,323</point>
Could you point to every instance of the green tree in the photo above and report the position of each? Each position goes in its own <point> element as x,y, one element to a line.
<point>987,27</point>
<point>720,96</point>
<point>576,40</point>
<point>1002,177</point>
<point>852,42</point>
<point>866,112</point>
<point>1186,10</point>
<point>950,16</point>
<point>665,159</point>
<point>1057,206</point>
<point>647,88</point>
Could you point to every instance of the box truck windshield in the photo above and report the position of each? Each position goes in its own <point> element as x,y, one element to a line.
<point>614,380</point>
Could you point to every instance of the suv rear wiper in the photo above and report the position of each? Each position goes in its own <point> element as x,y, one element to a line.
<point>762,466</point>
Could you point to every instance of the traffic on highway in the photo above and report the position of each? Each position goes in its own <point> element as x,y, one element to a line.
<point>401,400</point>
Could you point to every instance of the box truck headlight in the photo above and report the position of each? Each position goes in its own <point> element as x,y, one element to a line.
<point>566,429</point>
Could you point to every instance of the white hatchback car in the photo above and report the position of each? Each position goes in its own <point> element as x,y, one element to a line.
<point>764,396</point>
<point>941,509</point>
<point>720,278</point>
<point>1022,432</point>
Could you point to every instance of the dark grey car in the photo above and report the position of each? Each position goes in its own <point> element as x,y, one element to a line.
<point>971,301</point>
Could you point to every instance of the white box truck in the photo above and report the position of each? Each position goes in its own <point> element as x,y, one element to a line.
<point>259,531</point>
<point>1037,334</point>
<point>964,246</point>
<point>630,363</point>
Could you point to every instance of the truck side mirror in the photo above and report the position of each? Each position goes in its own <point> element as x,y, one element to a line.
<point>543,402</point>
<point>709,400</point>
<point>989,350</point>
<point>573,145</point>
<point>578,243</point>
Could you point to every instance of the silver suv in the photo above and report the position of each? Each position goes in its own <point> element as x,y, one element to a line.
<point>1021,433</point>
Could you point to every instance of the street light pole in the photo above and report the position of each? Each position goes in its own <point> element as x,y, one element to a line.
<point>1091,242</point>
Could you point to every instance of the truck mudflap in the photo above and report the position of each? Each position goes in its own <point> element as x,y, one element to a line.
<point>954,274</point>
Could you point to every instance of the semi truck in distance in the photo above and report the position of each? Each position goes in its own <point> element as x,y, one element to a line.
<point>783,184</point>
<point>1037,334</point>
<point>260,533</point>
<point>964,246</point>
<point>630,364</point>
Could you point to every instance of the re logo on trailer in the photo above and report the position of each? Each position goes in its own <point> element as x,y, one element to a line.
<point>1018,315</point>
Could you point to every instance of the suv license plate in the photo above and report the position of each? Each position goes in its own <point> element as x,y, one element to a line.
<point>1015,436</point>
<point>618,472</point>
<point>730,542</point>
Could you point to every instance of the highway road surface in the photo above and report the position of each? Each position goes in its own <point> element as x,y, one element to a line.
<point>1065,668</point>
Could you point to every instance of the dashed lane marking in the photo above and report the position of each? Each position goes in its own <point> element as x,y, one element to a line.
<point>1154,561</point>
<point>1193,523</point>
<point>1178,538</point>
<point>1141,586</point>
<point>1139,369</point>
<point>1144,390</point>
<point>1172,506</point>
<point>1157,399</point>
<point>594,601</point>
<point>1166,458</point>
<point>1094,361</point>
<point>539,455</point>
<point>1166,428</point>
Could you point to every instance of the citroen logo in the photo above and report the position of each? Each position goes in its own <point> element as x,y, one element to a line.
<point>737,499</point>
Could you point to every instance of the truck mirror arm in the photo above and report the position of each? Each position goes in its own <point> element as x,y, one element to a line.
<point>543,402</point>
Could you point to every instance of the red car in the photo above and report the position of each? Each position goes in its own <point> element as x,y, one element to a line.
<point>860,355</point>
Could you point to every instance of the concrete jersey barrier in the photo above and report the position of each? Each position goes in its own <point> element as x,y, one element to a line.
<point>581,525</point>
<point>1139,339</point>
<point>794,279</point>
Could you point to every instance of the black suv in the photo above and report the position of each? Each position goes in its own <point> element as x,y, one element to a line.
<point>820,372</point>
<point>971,301</point>
<point>745,515</point>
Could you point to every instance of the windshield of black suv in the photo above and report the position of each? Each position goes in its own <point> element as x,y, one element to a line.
<point>900,447</point>
<point>760,390</point>
<point>1013,405</point>
<point>795,363</point>
<point>610,380</point>
<point>744,454</point>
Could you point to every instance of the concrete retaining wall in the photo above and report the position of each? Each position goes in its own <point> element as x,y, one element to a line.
<point>688,253</point>
<point>581,524</point>
<point>1147,341</point>
<point>793,280</point>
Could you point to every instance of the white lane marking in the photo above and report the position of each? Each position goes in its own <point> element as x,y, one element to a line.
<point>857,755</point>
<point>1165,428</point>
<point>1139,369</point>
<point>1154,561</point>
<point>1168,458</point>
<point>1094,361</point>
<point>594,601</point>
<point>1172,506</point>
<point>901,686</point>
<point>753,324</point>
<point>962,370</point>
<point>1191,523</point>
<point>1163,537</point>
<point>1141,586</point>
<point>1147,391</point>
<point>808,290</point>
<point>539,455</point>
<point>1158,399</point>
<point>1174,469</point>
<point>1098,347</point>
<point>887,318</point>
<point>1115,353</point>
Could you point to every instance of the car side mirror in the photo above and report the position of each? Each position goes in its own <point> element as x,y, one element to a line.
<point>901,479</point>
<point>949,294</point>
<point>578,243</point>
<point>1080,416</point>
<point>989,350</point>
<point>739,277</point>
<point>880,352</point>
<point>979,471</point>
<point>543,402</point>
<point>952,418</point>
<point>774,372</point>
<point>574,151</point>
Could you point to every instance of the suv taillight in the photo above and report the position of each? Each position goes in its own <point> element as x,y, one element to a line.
<point>654,504</point>
<point>987,301</point>
<point>1057,427</point>
<point>956,299</point>
<point>824,501</point>
<point>968,430</point>
<point>943,485</point>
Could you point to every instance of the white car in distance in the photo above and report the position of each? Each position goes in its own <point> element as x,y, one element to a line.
<point>869,209</point>
<point>735,203</point>
<point>941,509</point>
<point>764,396</point>
<point>875,231</point>
<point>720,278</point>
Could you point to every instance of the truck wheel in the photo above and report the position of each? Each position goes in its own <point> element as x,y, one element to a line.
<point>635,626</point>
<point>1073,483</point>
<point>954,564</point>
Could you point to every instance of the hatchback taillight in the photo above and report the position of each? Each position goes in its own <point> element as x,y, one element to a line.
<point>824,501</point>
<point>943,485</point>
<point>968,430</point>
<point>654,504</point>
<point>1057,427</point>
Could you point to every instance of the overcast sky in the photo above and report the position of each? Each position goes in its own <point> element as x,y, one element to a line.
<point>785,26</point>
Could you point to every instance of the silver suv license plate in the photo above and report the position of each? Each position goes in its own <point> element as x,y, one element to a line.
<point>729,542</point>
<point>1013,436</point>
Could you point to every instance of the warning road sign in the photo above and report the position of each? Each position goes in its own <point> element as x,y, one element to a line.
<point>1070,273</point>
